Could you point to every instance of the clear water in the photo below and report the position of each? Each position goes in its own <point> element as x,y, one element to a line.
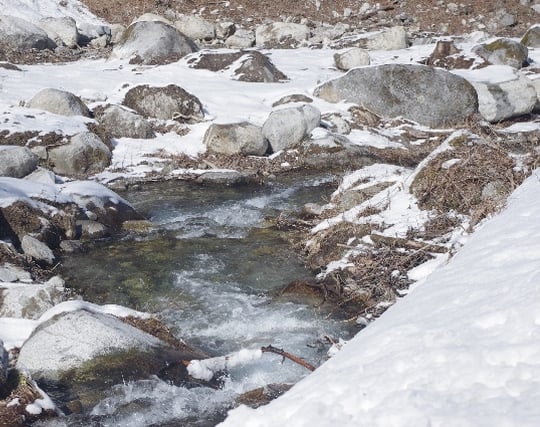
<point>209,273</point>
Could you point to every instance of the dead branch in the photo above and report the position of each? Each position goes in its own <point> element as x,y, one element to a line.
<point>281,352</point>
<point>407,243</point>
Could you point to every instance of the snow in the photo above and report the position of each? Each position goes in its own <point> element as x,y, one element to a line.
<point>206,369</point>
<point>34,10</point>
<point>44,403</point>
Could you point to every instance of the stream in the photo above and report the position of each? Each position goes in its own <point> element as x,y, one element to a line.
<point>210,272</point>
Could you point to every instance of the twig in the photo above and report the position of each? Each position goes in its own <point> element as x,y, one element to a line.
<point>281,352</point>
<point>407,243</point>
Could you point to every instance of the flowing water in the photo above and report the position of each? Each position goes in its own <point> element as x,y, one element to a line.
<point>209,272</point>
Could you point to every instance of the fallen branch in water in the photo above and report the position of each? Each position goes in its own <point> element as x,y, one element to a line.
<point>295,359</point>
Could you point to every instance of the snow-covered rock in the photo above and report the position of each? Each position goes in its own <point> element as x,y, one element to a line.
<point>287,127</point>
<point>84,155</point>
<point>59,102</point>
<point>19,34</point>
<point>236,138</point>
<point>121,123</point>
<point>166,103</point>
<point>152,42</point>
<point>37,250</point>
<point>502,100</point>
<point>195,27</point>
<point>503,52</point>
<point>276,33</point>
<point>351,58</point>
<point>62,30</point>
<point>426,95</point>
<point>16,162</point>
<point>152,17</point>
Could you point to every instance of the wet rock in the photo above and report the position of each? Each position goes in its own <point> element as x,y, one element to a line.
<point>352,58</point>
<point>121,123</point>
<point>241,39</point>
<point>39,251</point>
<point>263,395</point>
<point>20,35</point>
<point>503,52</point>
<point>287,127</point>
<point>84,155</point>
<point>236,138</point>
<point>30,301</point>
<point>532,37</point>
<point>195,27</point>
<point>16,162</point>
<point>500,101</point>
<point>288,99</point>
<point>92,229</point>
<point>62,30</point>
<point>431,97</point>
<point>71,246</point>
<point>152,42</point>
<point>166,103</point>
<point>59,102</point>
<point>279,33</point>
<point>225,178</point>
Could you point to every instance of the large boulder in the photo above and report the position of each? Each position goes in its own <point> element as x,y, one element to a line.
<point>16,162</point>
<point>351,58</point>
<point>288,127</point>
<point>84,155</point>
<point>62,30</point>
<point>152,42</point>
<point>30,300</point>
<point>532,37</point>
<point>429,96</point>
<point>121,123</point>
<point>195,27</point>
<point>37,250</point>
<point>504,52</point>
<point>281,33</point>
<point>503,100</point>
<point>166,103</point>
<point>59,102</point>
<point>20,35</point>
<point>236,138</point>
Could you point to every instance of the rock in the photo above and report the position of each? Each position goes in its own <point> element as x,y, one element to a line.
<point>297,97</point>
<point>447,55</point>
<point>287,127</point>
<point>335,123</point>
<point>236,138</point>
<point>500,101</point>
<point>281,33</point>
<point>166,103</point>
<point>39,251</point>
<point>9,66</point>
<point>536,84</point>
<point>11,273</point>
<point>62,30</point>
<point>152,17</point>
<point>89,32</point>
<point>225,178</point>
<point>42,176</point>
<point>16,162</point>
<point>391,39</point>
<point>323,34</point>
<point>352,58</point>
<point>92,229</point>
<point>429,96</point>
<point>503,52</point>
<point>152,42</point>
<point>532,37</point>
<point>225,30</point>
<point>4,358</point>
<point>100,42</point>
<point>195,27</point>
<point>241,39</point>
<point>30,301</point>
<point>121,123</point>
<point>21,35</point>
<point>117,30</point>
<point>84,155</point>
<point>59,102</point>
<point>257,67</point>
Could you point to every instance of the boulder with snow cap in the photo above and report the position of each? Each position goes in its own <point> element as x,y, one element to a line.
<point>281,34</point>
<point>152,42</point>
<point>195,27</point>
<point>59,102</point>
<point>429,96</point>
<point>532,37</point>
<point>84,155</point>
<point>122,123</point>
<point>16,162</point>
<point>62,30</point>
<point>21,35</point>
<point>152,17</point>
<point>503,100</point>
<point>166,103</point>
<point>503,52</point>
<point>236,138</point>
<point>287,127</point>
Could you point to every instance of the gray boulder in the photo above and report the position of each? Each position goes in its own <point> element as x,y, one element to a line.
<point>241,39</point>
<point>37,250</point>
<point>500,101</point>
<point>257,67</point>
<point>503,52</point>
<point>153,17</point>
<point>92,229</point>
<point>351,58</point>
<point>121,123</point>
<point>42,176</point>
<point>11,273</point>
<point>4,358</point>
<point>278,33</point>
<point>236,138</point>
<point>84,155</point>
<point>30,300</point>
<point>287,127</point>
<point>531,38</point>
<point>59,102</point>
<point>16,162</point>
<point>62,30</point>
<point>152,42</point>
<point>389,39</point>
<point>21,35</point>
<point>536,84</point>
<point>429,96</point>
<point>166,103</point>
<point>195,27</point>
<point>89,32</point>
<point>117,30</point>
